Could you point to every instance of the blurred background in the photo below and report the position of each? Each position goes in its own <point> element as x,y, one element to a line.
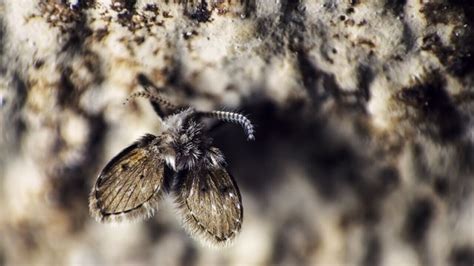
<point>364,114</point>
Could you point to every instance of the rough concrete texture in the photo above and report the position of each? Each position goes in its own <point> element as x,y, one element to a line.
<point>364,148</point>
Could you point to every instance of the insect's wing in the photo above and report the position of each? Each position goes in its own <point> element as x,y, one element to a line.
<point>210,203</point>
<point>130,184</point>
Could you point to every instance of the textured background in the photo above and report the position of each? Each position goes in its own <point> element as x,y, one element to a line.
<point>364,112</point>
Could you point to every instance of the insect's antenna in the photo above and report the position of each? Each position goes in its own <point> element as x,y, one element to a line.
<point>233,118</point>
<point>152,97</point>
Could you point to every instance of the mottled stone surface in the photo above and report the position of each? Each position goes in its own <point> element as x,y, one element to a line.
<point>364,113</point>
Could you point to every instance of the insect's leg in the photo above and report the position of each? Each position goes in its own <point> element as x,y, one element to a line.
<point>233,118</point>
<point>159,108</point>
<point>148,85</point>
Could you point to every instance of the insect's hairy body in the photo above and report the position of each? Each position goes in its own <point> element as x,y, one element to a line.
<point>206,196</point>
<point>191,148</point>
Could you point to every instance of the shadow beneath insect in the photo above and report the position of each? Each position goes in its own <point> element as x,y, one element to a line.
<point>331,163</point>
<point>285,138</point>
<point>287,135</point>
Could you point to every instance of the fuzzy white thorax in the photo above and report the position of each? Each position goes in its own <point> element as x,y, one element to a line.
<point>174,123</point>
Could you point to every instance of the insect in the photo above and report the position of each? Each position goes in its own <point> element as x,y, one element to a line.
<point>182,162</point>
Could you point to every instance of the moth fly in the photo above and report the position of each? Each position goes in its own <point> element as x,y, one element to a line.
<point>207,197</point>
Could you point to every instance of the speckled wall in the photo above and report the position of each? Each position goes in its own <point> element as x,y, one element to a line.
<point>363,111</point>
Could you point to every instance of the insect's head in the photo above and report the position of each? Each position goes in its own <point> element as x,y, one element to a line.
<point>181,120</point>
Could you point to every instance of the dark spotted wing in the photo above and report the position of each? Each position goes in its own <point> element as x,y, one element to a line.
<point>130,184</point>
<point>210,203</point>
